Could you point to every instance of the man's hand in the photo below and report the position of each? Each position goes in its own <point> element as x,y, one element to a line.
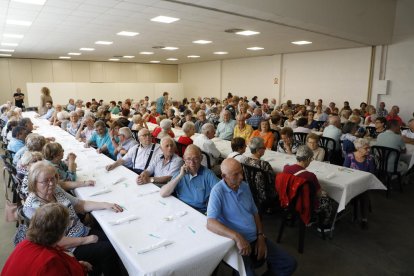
<point>261,250</point>
<point>243,246</point>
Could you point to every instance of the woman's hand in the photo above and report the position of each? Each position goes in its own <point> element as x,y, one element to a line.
<point>114,207</point>
<point>90,239</point>
<point>87,183</point>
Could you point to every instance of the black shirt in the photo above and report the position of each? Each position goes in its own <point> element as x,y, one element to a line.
<point>18,103</point>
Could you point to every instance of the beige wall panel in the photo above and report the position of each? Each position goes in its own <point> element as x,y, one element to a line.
<point>143,72</point>
<point>62,71</point>
<point>7,90</point>
<point>128,72</point>
<point>112,72</point>
<point>42,70</point>
<point>96,71</point>
<point>81,71</point>
<point>20,73</point>
<point>169,73</point>
<point>155,72</point>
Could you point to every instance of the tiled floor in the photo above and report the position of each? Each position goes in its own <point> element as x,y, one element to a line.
<point>385,248</point>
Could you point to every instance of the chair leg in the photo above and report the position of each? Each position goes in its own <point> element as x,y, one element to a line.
<point>282,228</point>
<point>400,182</point>
<point>302,228</point>
<point>387,184</point>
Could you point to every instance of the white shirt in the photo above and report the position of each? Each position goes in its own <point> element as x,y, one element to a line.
<point>140,156</point>
<point>238,156</point>
<point>209,147</point>
<point>333,132</point>
<point>302,129</point>
<point>408,133</point>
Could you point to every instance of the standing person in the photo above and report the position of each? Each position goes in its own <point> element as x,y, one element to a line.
<point>44,98</point>
<point>232,213</point>
<point>161,102</point>
<point>18,98</point>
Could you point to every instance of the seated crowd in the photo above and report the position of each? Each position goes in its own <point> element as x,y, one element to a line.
<point>190,168</point>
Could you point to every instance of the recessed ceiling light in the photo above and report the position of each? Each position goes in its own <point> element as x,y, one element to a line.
<point>102,42</point>
<point>155,61</point>
<point>18,22</point>
<point>74,54</point>
<point>113,59</point>
<point>126,33</point>
<point>34,2</point>
<point>170,48</point>
<point>128,56</point>
<point>172,59</point>
<point>87,49</point>
<point>193,56</point>
<point>255,48</point>
<point>201,41</point>
<point>7,50</point>
<point>9,44</point>
<point>164,19</point>
<point>247,33</point>
<point>146,53</point>
<point>5,55</point>
<point>301,42</point>
<point>220,53</point>
<point>13,35</point>
<point>64,57</point>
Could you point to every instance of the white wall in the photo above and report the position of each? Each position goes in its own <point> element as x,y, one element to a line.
<point>62,92</point>
<point>18,72</point>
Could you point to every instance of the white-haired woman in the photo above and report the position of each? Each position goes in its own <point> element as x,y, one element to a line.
<point>163,130</point>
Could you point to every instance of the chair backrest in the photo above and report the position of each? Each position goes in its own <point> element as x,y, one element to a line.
<point>180,148</point>
<point>319,124</point>
<point>371,130</point>
<point>329,145</point>
<point>386,159</point>
<point>135,134</point>
<point>300,137</point>
<point>276,134</point>
<point>206,158</point>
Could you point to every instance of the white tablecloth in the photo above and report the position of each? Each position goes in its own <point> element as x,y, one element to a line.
<point>194,251</point>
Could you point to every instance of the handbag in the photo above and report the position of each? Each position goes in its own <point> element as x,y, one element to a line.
<point>10,208</point>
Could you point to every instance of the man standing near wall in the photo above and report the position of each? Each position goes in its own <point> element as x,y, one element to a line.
<point>161,102</point>
<point>18,98</point>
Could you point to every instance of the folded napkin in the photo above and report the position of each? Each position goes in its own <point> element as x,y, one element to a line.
<point>125,219</point>
<point>176,215</point>
<point>103,191</point>
<point>160,244</point>
<point>119,180</point>
<point>331,175</point>
<point>147,193</point>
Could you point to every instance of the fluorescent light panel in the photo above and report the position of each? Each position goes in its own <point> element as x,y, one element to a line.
<point>155,61</point>
<point>64,57</point>
<point>7,50</point>
<point>5,55</point>
<point>126,33</point>
<point>87,49</point>
<point>74,54</point>
<point>164,19</point>
<point>172,59</point>
<point>18,22</point>
<point>255,48</point>
<point>113,59</point>
<point>33,2</point>
<point>193,56</point>
<point>169,48</point>
<point>103,42</point>
<point>301,42</point>
<point>146,53</point>
<point>13,35</point>
<point>9,44</point>
<point>247,33</point>
<point>128,56</point>
<point>201,41</point>
<point>220,53</point>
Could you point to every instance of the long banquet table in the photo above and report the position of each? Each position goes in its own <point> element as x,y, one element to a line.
<point>193,250</point>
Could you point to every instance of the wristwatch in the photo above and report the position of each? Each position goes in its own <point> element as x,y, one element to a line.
<point>152,180</point>
<point>261,234</point>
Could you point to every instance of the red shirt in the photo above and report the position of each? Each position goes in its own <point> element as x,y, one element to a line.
<point>152,119</point>
<point>394,117</point>
<point>311,177</point>
<point>157,131</point>
<point>29,258</point>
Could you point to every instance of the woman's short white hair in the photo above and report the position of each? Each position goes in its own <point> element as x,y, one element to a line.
<point>166,124</point>
<point>187,126</point>
<point>360,143</point>
<point>63,115</point>
<point>30,156</point>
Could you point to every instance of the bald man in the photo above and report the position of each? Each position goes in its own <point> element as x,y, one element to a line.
<point>333,130</point>
<point>232,213</point>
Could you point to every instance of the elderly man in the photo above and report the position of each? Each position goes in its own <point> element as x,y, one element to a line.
<point>333,130</point>
<point>225,129</point>
<point>126,142</point>
<point>255,120</point>
<point>381,111</point>
<point>140,155</point>
<point>202,119</point>
<point>393,115</point>
<point>203,141</point>
<point>163,166</point>
<point>408,134</point>
<point>26,123</point>
<point>101,139</point>
<point>18,98</point>
<point>232,213</point>
<point>193,183</point>
<point>19,134</point>
<point>241,129</point>
<point>86,128</point>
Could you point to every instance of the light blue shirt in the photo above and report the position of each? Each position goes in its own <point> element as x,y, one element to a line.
<point>225,130</point>
<point>157,167</point>
<point>48,114</point>
<point>195,190</point>
<point>234,209</point>
<point>15,145</point>
<point>127,145</point>
<point>19,155</point>
<point>333,132</point>
<point>391,140</point>
<point>103,140</point>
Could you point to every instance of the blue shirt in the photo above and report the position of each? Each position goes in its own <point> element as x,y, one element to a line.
<point>14,145</point>
<point>225,130</point>
<point>160,105</point>
<point>103,140</point>
<point>48,114</point>
<point>234,209</point>
<point>19,154</point>
<point>254,121</point>
<point>195,190</point>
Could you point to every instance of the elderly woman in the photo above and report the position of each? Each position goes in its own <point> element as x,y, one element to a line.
<point>62,119</point>
<point>304,156</point>
<point>312,141</point>
<point>348,137</point>
<point>86,244</point>
<point>380,127</point>
<point>24,164</point>
<point>33,142</point>
<point>265,133</point>
<point>58,108</point>
<point>39,253</point>
<point>138,123</point>
<point>163,130</point>
<point>163,166</point>
<point>53,152</point>
<point>287,144</point>
<point>291,121</point>
<point>101,139</point>
<point>311,123</point>
<point>238,146</point>
<point>86,128</point>
<point>362,160</point>
<point>265,194</point>
<point>73,126</point>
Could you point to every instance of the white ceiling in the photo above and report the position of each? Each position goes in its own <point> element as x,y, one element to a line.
<point>63,26</point>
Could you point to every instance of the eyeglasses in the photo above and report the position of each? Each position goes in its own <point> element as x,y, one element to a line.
<point>49,181</point>
<point>194,159</point>
<point>145,135</point>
